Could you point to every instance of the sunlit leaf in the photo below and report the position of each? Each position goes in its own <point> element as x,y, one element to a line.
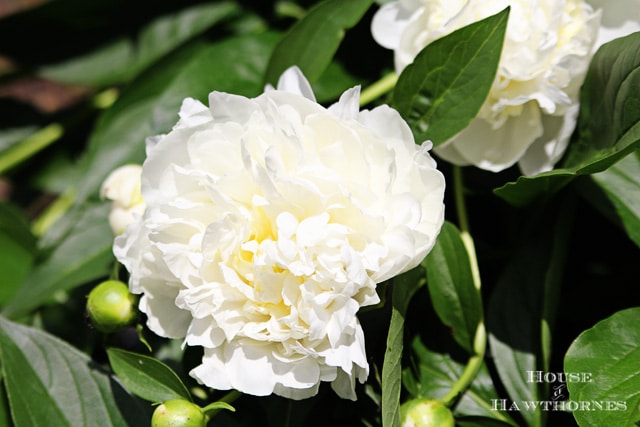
<point>447,83</point>
<point>147,377</point>
<point>609,353</point>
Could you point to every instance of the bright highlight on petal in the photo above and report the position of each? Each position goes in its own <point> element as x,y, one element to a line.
<point>269,222</point>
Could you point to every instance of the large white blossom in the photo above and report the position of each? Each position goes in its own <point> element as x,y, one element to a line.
<point>269,222</point>
<point>532,107</point>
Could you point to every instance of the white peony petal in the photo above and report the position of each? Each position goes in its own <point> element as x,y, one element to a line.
<point>348,106</point>
<point>545,151</point>
<point>164,318</point>
<point>389,23</point>
<point>497,149</point>
<point>192,113</point>
<point>293,81</point>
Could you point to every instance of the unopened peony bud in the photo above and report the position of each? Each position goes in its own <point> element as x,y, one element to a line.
<point>122,186</point>
<point>111,307</point>
<point>178,413</point>
<point>426,413</point>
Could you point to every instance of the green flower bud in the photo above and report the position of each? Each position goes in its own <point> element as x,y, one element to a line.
<point>111,307</point>
<point>178,413</point>
<point>426,413</point>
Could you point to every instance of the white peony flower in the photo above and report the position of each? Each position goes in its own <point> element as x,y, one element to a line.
<point>269,222</point>
<point>532,107</point>
<point>122,186</point>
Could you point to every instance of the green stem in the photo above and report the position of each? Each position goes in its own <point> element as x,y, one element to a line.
<point>467,240</point>
<point>480,339</point>
<point>379,88</point>
<point>471,370</point>
<point>49,134</point>
<point>53,212</point>
<point>30,146</point>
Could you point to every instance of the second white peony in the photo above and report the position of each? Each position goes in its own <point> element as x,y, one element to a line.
<point>532,107</point>
<point>269,222</point>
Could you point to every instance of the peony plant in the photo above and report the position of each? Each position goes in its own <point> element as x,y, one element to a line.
<point>281,243</point>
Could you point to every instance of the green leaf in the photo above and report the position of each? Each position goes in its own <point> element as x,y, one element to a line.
<point>122,59</point>
<point>17,246</point>
<point>150,106</point>
<point>5,413</point>
<point>621,184</point>
<point>50,383</point>
<point>447,83</point>
<point>453,294</point>
<point>608,126</point>
<point>523,307</point>
<point>311,42</point>
<point>435,375</point>
<point>83,255</point>
<point>403,288</point>
<point>147,377</point>
<point>609,352</point>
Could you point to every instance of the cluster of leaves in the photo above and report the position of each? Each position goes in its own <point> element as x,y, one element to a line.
<point>557,252</point>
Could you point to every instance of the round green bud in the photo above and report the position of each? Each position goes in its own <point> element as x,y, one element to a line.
<point>178,413</point>
<point>111,307</point>
<point>426,413</point>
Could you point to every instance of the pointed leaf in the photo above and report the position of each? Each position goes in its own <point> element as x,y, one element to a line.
<point>50,383</point>
<point>443,90</point>
<point>453,294</point>
<point>311,42</point>
<point>404,287</point>
<point>147,377</point>
<point>609,352</point>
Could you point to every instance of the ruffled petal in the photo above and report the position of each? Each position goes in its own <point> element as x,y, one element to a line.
<point>293,81</point>
<point>545,151</point>
<point>389,23</point>
<point>493,149</point>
